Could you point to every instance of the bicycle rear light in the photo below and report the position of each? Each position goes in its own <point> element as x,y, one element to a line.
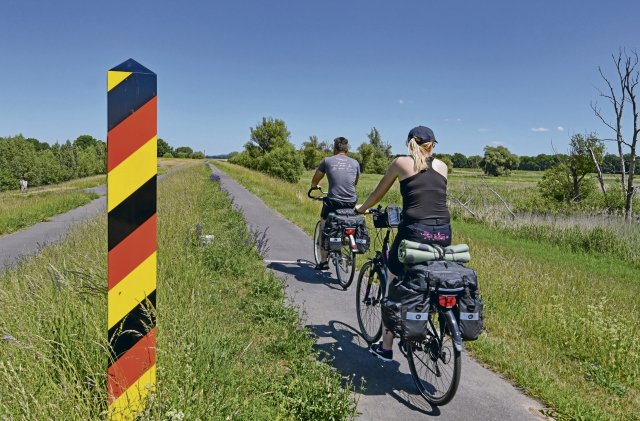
<point>349,231</point>
<point>447,301</point>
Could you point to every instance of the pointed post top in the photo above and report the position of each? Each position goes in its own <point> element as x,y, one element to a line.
<point>131,66</point>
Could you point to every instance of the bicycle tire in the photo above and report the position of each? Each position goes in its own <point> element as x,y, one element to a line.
<point>317,247</point>
<point>423,365</point>
<point>345,263</point>
<point>368,300</point>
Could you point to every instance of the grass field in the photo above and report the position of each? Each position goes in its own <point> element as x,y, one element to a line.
<point>563,325</point>
<point>228,346</point>
<point>20,210</point>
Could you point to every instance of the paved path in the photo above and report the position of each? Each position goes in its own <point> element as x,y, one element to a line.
<point>29,241</point>
<point>330,313</point>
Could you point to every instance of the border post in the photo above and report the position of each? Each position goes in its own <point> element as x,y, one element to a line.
<point>132,224</point>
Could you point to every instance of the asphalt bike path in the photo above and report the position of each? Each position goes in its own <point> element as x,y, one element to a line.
<point>329,312</point>
<point>29,241</point>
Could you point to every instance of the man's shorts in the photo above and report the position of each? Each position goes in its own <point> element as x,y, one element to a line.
<point>331,205</point>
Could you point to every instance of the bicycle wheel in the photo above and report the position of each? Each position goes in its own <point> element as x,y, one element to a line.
<point>435,363</point>
<point>368,297</point>
<point>316,243</point>
<point>345,264</point>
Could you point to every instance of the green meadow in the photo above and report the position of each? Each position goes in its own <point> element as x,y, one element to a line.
<point>228,346</point>
<point>561,316</point>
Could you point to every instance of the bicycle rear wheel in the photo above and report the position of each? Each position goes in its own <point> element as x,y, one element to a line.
<point>316,243</point>
<point>435,363</point>
<point>368,298</point>
<point>345,264</point>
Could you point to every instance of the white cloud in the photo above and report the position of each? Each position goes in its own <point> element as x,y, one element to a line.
<point>539,129</point>
<point>401,101</point>
<point>496,143</point>
<point>560,129</point>
<point>483,130</point>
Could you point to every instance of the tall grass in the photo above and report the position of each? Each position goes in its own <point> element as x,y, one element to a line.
<point>18,211</point>
<point>228,346</point>
<point>564,326</point>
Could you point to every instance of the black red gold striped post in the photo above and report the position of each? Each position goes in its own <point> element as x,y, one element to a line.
<point>131,203</point>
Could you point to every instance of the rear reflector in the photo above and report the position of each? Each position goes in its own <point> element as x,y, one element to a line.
<point>447,301</point>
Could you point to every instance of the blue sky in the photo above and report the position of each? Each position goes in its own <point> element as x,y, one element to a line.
<point>478,73</point>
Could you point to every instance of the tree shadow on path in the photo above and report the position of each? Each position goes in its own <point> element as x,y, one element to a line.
<point>342,346</point>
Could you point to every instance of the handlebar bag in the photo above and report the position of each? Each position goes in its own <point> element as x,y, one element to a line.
<point>390,218</point>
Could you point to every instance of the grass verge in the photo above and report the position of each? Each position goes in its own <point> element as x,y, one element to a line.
<point>228,345</point>
<point>19,211</point>
<point>563,325</point>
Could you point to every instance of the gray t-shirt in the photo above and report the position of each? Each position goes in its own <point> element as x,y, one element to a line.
<point>342,172</point>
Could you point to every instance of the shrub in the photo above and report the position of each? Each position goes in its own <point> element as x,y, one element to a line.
<point>167,155</point>
<point>284,163</point>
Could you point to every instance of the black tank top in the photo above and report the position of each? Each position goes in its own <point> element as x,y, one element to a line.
<point>424,197</point>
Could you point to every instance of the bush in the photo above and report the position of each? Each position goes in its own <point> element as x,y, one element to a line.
<point>167,155</point>
<point>557,184</point>
<point>244,159</point>
<point>284,163</point>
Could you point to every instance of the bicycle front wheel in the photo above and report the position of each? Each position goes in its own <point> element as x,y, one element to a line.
<point>345,264</point>
<point>316,243</point>
<point>368,298</point>
<point>435,363</point>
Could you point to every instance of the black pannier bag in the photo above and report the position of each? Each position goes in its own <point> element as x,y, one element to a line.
<point>470,311</point>
<point>332,234</point>
<point>405,311</point>
<point>334,227</point>
<point>450,275</point>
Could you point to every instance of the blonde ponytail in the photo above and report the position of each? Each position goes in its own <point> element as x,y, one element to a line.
<point>420,153</point>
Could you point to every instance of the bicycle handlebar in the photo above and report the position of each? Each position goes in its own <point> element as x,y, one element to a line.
<point>316,197</point>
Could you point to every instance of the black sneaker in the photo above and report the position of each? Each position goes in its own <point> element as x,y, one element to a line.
<point>383,354</point>
<point>322,265</point>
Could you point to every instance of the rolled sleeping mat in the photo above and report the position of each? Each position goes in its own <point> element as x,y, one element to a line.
<point>413,252</point>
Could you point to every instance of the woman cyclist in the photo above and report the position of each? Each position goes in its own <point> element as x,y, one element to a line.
<point>425,216</point>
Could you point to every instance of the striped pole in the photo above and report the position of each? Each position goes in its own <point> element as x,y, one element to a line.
<point>131,203</point>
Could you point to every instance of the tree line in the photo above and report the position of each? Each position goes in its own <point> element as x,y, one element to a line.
<point>39,163</point>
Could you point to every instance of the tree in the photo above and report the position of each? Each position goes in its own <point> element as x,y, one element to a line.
<point>85,141</point>
<point>312,153</point>
<point>585,152</point>
<point>375,155</point>
<point>164,148</point>
<point>184,152</point>
<point>458,160</point>
<point>498,160</point>
<point>284,162</point>
<point>623,93</point>
<point>268,135</point>
<point>474,161</point>
<point>40,146</point>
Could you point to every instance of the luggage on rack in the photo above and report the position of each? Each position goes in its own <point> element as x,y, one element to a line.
<point>406,308</point>
<point>335,224</point>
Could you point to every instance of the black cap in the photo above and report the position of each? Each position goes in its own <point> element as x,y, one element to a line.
<point>422,134</point>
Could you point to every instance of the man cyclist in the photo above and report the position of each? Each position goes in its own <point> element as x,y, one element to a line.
<point>343,173</point>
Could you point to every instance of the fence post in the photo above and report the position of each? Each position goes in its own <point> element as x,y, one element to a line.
<point>131,205</point>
